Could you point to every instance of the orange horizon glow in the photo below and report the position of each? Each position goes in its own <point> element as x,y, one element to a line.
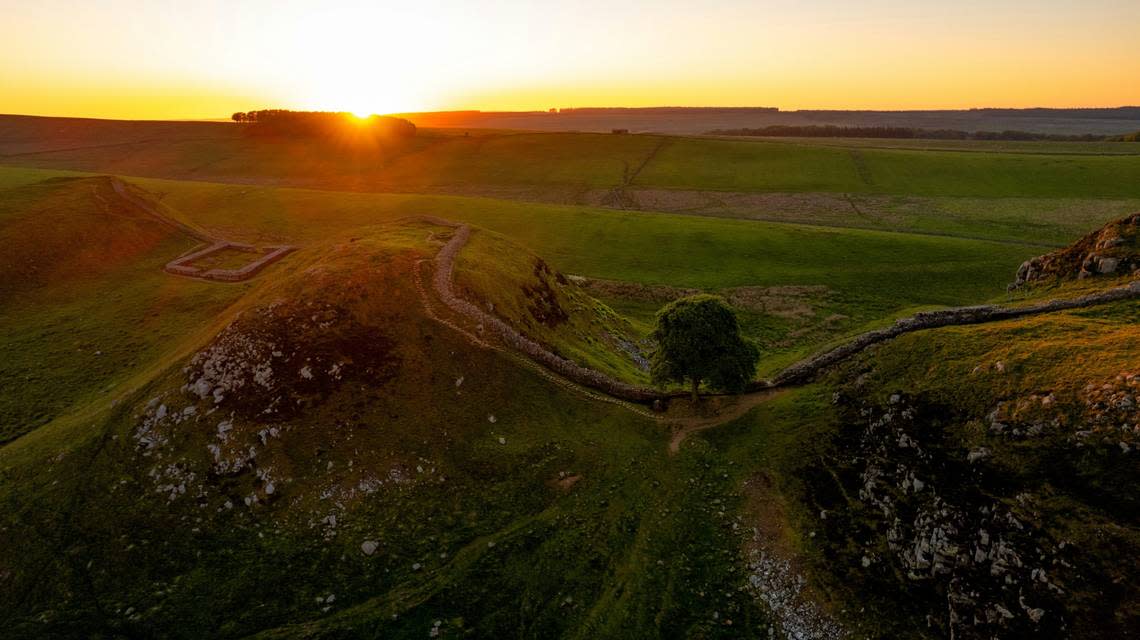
<point>130,59</point>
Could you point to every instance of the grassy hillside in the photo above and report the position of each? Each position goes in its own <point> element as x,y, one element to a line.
<point>385,477</point>
<point>1020,435</point>
<point>1044,193</point>
<point>84,301</point>
<point>856,277</point>
<point>547,307</point>
<point>311,455</point>
<point>865,276</point>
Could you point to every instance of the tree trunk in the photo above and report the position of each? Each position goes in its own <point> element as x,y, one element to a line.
<point>696,385</point>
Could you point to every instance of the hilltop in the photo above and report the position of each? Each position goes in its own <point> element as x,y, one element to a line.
<point>337,442</point>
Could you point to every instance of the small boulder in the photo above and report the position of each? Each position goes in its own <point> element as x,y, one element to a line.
<point>981,453</point>
<point>1107,265</point>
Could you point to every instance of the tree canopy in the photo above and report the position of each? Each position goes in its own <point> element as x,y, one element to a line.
<point>326,124</point>
<point>698,340</point>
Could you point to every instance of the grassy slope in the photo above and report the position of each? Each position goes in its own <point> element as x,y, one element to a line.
<point>693,163</point>
<point>85,301</point>
<point>1076,493</point>
<point>544,306</point>
<point>476,532</point>
<point>872,275</point>
<point>599,544</point>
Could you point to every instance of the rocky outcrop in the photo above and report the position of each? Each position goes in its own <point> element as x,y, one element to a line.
<point>922,522</point>
<point>1114,249</point>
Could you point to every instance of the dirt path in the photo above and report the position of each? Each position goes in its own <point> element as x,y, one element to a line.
<point>685,427</point>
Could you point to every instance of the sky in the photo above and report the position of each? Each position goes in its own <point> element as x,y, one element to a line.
<point>166,59</point>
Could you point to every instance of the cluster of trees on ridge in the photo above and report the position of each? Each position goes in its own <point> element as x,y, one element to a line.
<point>322,123</point>
<point>833,131</point>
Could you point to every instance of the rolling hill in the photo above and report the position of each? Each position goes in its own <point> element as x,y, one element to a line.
<point>334,449</point>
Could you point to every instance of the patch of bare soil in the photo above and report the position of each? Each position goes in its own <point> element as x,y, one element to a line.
<point>711,411</point>
<point>816,208</point>
<point>791,302</point>
<point>567,482</point>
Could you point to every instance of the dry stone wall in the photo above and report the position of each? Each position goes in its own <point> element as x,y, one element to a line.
<point>806,369</point>
<point>798,373</point>
<point>184,265</point>
<point>444,286</point>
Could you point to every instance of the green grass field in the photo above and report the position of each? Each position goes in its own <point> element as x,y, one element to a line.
<point>584,161</point>
<point>172,449</point>
<point>752,166</point>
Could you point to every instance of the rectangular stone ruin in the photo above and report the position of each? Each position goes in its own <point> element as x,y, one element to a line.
<point>184,265</point>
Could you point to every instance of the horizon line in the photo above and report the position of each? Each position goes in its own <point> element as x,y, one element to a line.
<point>571,110</point>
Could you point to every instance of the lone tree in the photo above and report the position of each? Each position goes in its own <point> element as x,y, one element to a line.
<point>698,339</point>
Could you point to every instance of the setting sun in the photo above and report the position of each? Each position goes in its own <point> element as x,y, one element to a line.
<point>204,62</point>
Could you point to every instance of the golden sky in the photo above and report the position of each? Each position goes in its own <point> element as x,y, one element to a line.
<point>159,59</point>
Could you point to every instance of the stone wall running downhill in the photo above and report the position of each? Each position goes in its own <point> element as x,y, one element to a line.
<point>444,287</point>
<point>125,193</point>
<point>798,373</point>
<point>183,265</point>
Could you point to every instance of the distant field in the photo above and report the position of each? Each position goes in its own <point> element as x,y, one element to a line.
<point>984,146</point>
<point>751,166</point>
<point>542,164</point>
<point>696,121</point>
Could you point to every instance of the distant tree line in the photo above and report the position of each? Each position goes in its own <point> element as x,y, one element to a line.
<point>322,123</point>
<point>833,131</point>
<point>663,110</point>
